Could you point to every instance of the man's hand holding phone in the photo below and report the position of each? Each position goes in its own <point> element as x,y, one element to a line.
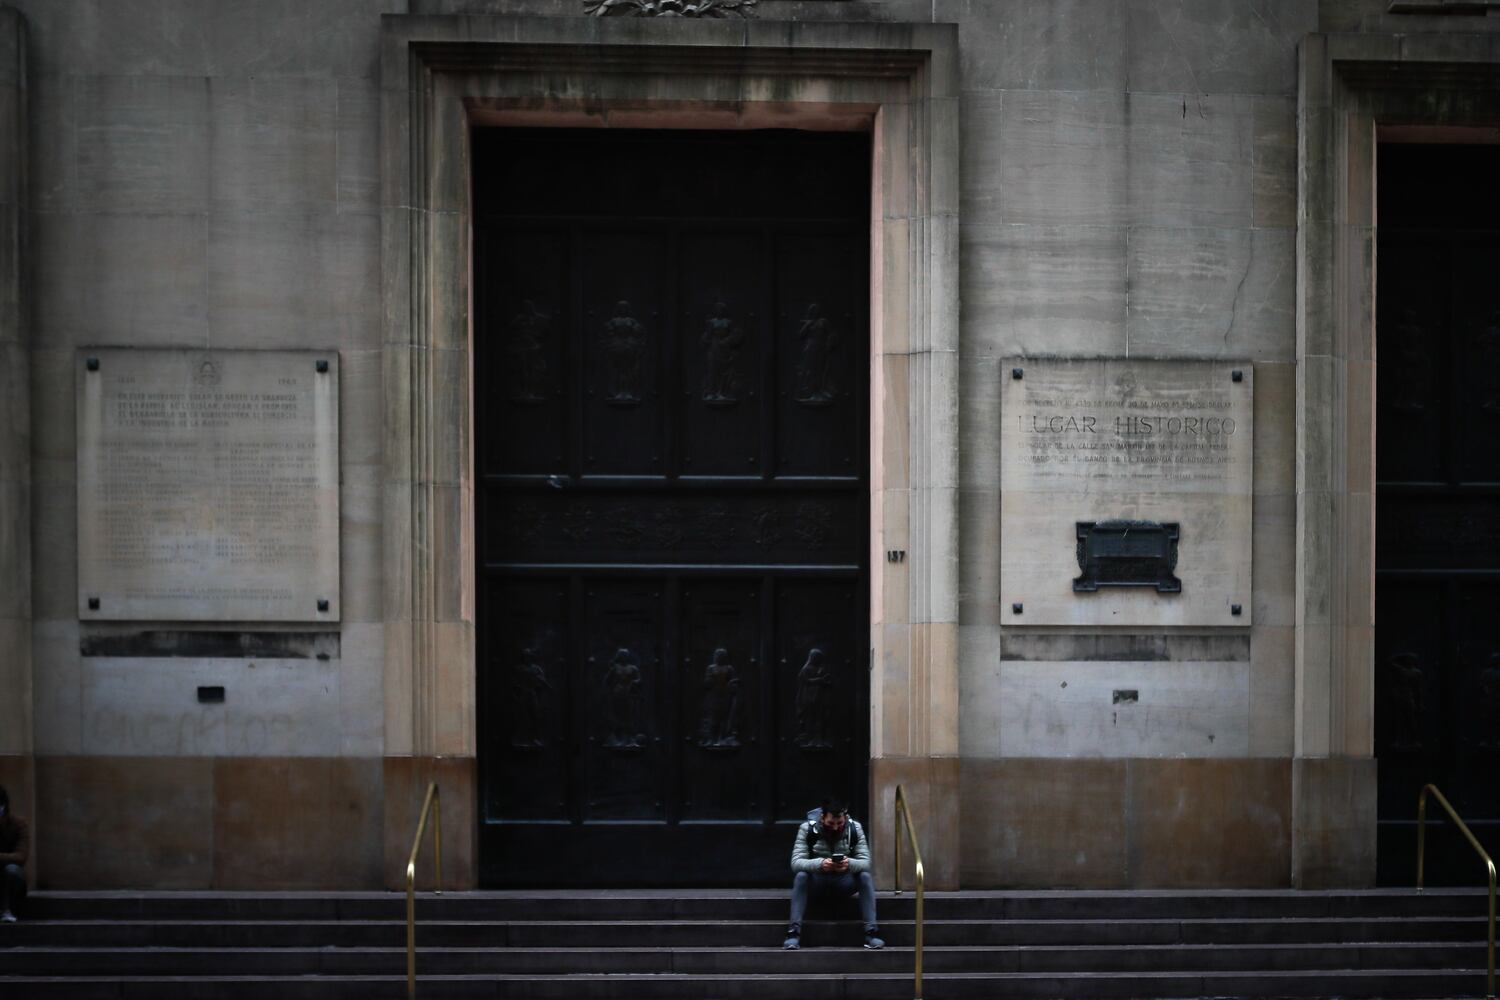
<point>836,864</point>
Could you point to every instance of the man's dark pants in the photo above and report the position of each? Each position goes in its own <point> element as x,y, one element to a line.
<point>13,888</point>
<point>811,886</point>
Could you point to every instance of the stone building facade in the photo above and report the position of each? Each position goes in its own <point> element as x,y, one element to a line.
<point>1165,181</point>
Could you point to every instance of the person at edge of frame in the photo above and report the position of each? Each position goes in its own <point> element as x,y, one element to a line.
<point>15,848</point>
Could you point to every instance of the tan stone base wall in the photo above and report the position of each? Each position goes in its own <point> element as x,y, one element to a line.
<point>1126,823</point>
<point>239,822</point>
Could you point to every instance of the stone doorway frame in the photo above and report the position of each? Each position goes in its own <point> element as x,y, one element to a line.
<point>1350,87</point>
<point>440,75</point>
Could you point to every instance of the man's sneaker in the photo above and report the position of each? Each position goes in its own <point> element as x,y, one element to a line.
<point>792,942</point>
<point>7,917</point>
<point>872,942</point>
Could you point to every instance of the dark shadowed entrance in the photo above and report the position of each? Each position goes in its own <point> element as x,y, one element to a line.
<point>671,370</point>
<point>1437,597</point>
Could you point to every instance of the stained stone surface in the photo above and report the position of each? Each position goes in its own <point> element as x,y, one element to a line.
<point>1125,440</point>
<point>208,485</point>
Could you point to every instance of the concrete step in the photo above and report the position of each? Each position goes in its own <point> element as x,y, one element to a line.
<point>176,933</point>
<point>1388,984</point>
<point>85,961</point>
<point>755,905</point>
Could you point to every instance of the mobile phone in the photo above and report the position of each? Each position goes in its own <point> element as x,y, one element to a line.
<point>838,859</point>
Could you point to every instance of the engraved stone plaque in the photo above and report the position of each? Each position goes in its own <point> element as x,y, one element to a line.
<point>208,485</point>
<point>1155,459</point>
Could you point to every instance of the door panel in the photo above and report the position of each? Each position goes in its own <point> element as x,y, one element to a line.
<point>1437,602</point>
<point>672,508</point>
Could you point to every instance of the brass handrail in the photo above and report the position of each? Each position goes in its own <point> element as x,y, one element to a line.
<point>1474,843</point>
<point>903,813</point>
<point>433,799</point>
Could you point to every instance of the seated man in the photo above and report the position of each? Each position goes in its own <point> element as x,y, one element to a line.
<point>15,844</point>
<point>831,858</point>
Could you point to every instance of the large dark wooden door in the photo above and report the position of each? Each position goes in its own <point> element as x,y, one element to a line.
<point>671,362</point>
<point>1437,596</point>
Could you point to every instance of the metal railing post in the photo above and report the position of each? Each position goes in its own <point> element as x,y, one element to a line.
<point>903,816</point>
<point>1489,865</point>
<point>431,800</point>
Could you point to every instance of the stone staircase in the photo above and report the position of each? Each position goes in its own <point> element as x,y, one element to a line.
<point>726,944</point>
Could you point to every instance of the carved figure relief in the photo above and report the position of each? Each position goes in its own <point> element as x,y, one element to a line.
<point>1489,362</point>
<point>814,703</point>
<point>1406,702</point>
<point>670,8</point>
<point>624,350</point>
<point>523,346</point>
<point>719,729</point>
<point>1489,704</point>
<point>815,383</point>
<point>529,688</point>
<point>622,703</point>
<point>1413,366</point>
<point>721,341</point>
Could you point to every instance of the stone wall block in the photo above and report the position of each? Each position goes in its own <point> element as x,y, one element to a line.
<point>1315,306</point>
<point>1190,159</point>
<point>1354,294</point>
<point>1047,158</point>
<point>286,38</point>
<point>1043,290</point>
<point>1334,834</point>
<point>126,822</point>
<point>1359,408</point>
<point>892,332</point>
<point>396,520</point>
<point>292,277</point>
<point>146,276</point>
<point>890,690</point>
<point>1321,385</point>
<point>931,788</point>
<point>1274,559</point>
<point>978,558</point>
<point>361,408</point>
<point>131,37</point>
<point>1272,689</point>
<point>891,421</point>
<point>1354,515</point>
<point>361,544</point>
<point>53,407</point>
<point>449,395</point>
<point>15,550</point>
<point>1313,706</point>
<point>447,265</point>
<point>1215,46</point>
<point>16,683</point>
<point>54,541</point>
<point>979,691</point>
<point>446,509</point>
<point>979,421</point>
<point>892,159</point>
<point>1209,823</point>
<point>15,414</point>
<point>57,687</point>
<point>406,780</point>
<point>297,822</point>
<point>1273,177</point>
<point>894,605</point>
<point>53,159</point>
<point>1227,293</point>
<point>1275,459</point>
<point>946,152</point>
<point>273,141</point>
<point>361,673</point>
<point>1038,44</point>
<point>1044,823</point>
<point>357,156</point>
<point>400,736</point>
<point>142,144</point>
